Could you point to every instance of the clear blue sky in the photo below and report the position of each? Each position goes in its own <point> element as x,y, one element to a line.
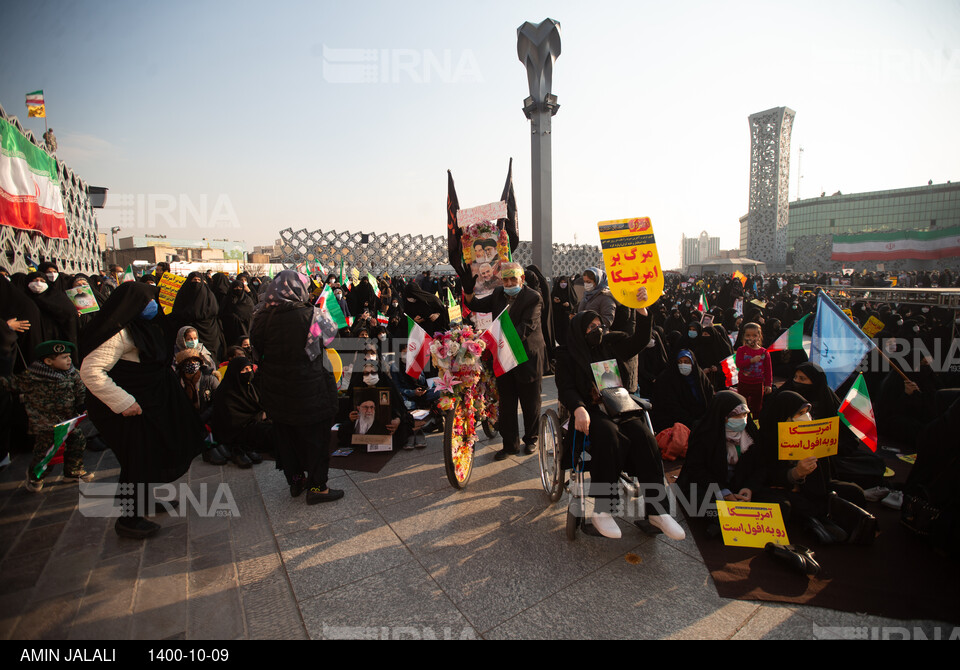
<point>237,106</point>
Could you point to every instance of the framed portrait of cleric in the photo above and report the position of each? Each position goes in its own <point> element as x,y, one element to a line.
<point>374,414</point>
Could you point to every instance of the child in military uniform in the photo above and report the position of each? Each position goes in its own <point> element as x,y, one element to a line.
<point>52,392</point>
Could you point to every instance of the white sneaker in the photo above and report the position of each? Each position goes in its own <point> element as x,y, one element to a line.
<point>667,525</point>
<point>894,500</point>
<point>606,525</point>
<point>876,494</point>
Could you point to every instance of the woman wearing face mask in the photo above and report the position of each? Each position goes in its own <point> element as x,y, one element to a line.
<point>187,338</point>
<point>425,309</point>
<point>236,311</point>
<point>626,445</point>
<point>238,418</point>
<point>58,315</point>
<point>563,305</point>
<point>197,306</point>
<point>370,378</point>
<point>724,452</point>
<point>134,397</point>
<point>681,394</point>
<point>16,306</point>
<point>597,297</point>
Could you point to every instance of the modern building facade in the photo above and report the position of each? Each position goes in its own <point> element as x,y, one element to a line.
<point>698,249</point>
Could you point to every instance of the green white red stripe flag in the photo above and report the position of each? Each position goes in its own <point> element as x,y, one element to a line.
<point>35,99</point>
<point>793,338</point>
<point>730,372</point>
<point>504,343</point>
<point>703,306</point>
<point>418,348</point>
<point>60,433</point>
<point>856,411</point>
<point>29,186</point>
<point>374,283</point>
<point>332,307</point>
<point>128,275</point>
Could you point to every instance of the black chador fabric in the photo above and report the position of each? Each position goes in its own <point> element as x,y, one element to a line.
<point>14,304</point>
<point>58,315</point>
<point>423,305</point>
<point>535,280</point>
<point>159,444</point>
<point>236,405</point>
<point>220,285</point>
<point>362,297</point>
<point>197,306</point>
<point>236,313</point>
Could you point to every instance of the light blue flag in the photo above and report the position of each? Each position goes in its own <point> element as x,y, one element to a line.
<point>837,345</point>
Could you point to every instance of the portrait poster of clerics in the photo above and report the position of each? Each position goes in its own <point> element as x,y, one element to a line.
<point>631,260</point>
<point>373,415</point>
<point>482,238</point>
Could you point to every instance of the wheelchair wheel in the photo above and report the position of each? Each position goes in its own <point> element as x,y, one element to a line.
<point>489,429</point>
<point>551,469</point>
<point>457,459</point>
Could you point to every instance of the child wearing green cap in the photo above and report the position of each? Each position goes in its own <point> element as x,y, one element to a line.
<point>51,392</point>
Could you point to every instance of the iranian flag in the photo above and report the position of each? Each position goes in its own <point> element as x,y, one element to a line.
<point>60,433</point>
<point>128,275</point>
<point>29,186</point>
<point>35,99</point>
<point>793,338</point>
<point>728,366</point>
<point>374,283</point>
<point>702,305</point>
<point>909,244</point>
<point>504,343</point>
<point>382,319</point>
<point>333,307</point>
<point>418,348</point>
<point>856,410</point>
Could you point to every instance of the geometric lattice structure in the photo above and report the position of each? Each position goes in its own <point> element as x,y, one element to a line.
<point>405,254</point>
<point>769,211</point>
<point>80,252</point>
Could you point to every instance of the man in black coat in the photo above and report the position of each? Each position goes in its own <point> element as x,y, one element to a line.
<point>521,385</point>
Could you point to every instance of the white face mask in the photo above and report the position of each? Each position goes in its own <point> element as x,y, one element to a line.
<point>588,286</point>
<point>371,380</point>
<point>803,417</point>
<point>685,368</point>
<point>38,286</point>
<point>52,276</point>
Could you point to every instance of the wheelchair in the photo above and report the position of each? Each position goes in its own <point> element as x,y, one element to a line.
<point>564,464</point>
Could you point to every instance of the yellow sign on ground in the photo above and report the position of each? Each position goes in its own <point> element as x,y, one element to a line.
<point>631,260</point>
<point>748,524</point>
<point>803,439</point>
<point>873,326</point>
<point>169,285</point>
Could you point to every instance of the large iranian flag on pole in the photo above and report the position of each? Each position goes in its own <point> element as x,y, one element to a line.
<point>418,348</point>
<point>29,186</point>
<point>909,244</point>
<point>504,343</point>
<point>856,410</point>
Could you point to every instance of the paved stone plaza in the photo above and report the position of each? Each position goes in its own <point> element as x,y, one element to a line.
<point>402,555</point>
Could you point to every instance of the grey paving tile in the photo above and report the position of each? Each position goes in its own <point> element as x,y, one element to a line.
<point>48,619</point>
<point>169,544</point>
<point>83,533</point>
<point>271,611</point>
<point>290,515</point>
<point>37,539</point>
<point>215,615</point>
<point>401,603</point>
<point>212,569</point>
<point>19,573</point>
<point>12,605</point>
<point>66,572</point>
<point>160,608</point>
<point>329,556</point>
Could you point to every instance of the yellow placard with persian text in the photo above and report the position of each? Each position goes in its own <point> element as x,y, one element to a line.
<point>169,285</point>
<point>803,439</point>
<point>873,326</point>
<point>631,260</point>
<point>748,524</point>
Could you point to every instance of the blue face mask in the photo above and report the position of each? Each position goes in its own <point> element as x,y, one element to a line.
<point>513,290</point>
<point>737,425</point>
<point>691,334</point>
<point>150,310</point>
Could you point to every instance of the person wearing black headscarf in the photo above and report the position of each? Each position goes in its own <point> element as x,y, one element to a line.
<point>536,281</point>
<point>236,312</point>
<point>219,284</point>
<point>651,363</point>
<point>58,315</point>
<point>238,419</point>
<point>564,303</point>
<point>14,304</point>
<point>627,445</point>
<point>362,297</point>
<point>682,393</point>
<point>135,399</point>
<point>197,306</point>
<point>426,309</point>
<point>297,388</point>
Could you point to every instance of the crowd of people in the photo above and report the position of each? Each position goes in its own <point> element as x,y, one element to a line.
<point>240,369</point>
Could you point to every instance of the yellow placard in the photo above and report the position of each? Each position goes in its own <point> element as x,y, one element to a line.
<point>456,314</point>
<point>803,439</point>
<point>873,326</point>
<point>336,363</point>
<point>169,285</point>
<point>631,260</point>
<point>748,524</point>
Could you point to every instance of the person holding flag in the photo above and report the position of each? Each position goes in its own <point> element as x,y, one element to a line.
<point>519,381</point>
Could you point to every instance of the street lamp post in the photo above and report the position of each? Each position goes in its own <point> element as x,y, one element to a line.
<point>538,46</point>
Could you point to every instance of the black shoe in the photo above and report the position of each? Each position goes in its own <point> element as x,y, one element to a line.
<point>214,457</point>
<point>136,528</point>
<point>224,452</point>
<point>297,487</point>
<point>838,534</point>
<point>820,531</point>
<point>503,453</point>
<point>529,449</point>
<point>254,456</point>
<point>240,458</point>
<point>315,495</point>
<point>796,556</point>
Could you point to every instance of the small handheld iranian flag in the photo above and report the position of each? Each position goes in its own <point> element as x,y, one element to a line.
<point>504,343</point>
<point>128,275</point>
<point>703,306</point>
<point>60,433</point>
<point>729,368</point>
<point>856,410</point>
<point>333,307</point>
<point>418,348</point>
<point>382,319</point>
<point>374,283</point>
<point>793,338</point>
